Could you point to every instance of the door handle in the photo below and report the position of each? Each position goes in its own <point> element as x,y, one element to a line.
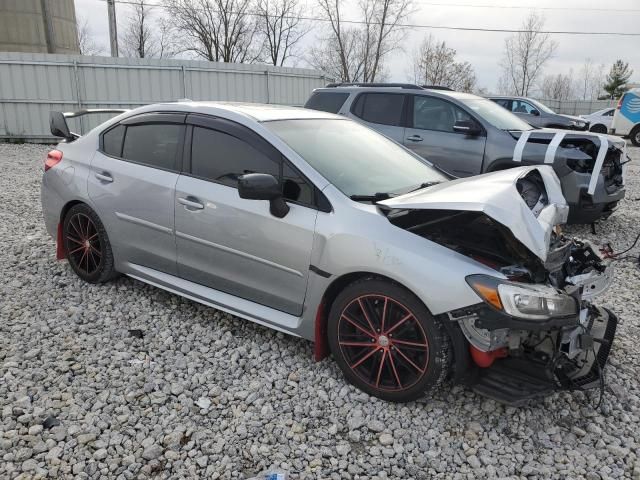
<point>191,202</point>
<point>104,177</point>
<point>414,138</point>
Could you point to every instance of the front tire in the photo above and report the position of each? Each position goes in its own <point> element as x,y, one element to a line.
<point>386,342</point>
<point>87,246</point>
<point>599,128</point>
<point>635,136</point>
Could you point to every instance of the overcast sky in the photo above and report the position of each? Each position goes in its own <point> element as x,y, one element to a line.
<point>482,49</point>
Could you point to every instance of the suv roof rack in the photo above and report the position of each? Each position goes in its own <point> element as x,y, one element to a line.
<point>408,86</point>
<point>438,87</point>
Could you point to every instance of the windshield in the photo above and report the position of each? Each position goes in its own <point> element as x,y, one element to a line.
<point>354,158</point>
<point>541,106</point>
<point>496,115</point>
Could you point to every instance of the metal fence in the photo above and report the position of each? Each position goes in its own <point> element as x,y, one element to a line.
<point>31,85</point>
<point>578,107</point>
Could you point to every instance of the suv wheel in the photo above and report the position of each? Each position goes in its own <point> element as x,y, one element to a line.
<point>87,246</point>
<point>386,342</point>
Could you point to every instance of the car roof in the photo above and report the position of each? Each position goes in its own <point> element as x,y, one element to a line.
<point>412,91</point>
<point>260,112</point>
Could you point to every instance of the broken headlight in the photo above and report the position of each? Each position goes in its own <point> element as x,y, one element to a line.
<point>532,302</point>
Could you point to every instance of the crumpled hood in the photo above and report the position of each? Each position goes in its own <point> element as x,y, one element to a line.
<point>496,195</point>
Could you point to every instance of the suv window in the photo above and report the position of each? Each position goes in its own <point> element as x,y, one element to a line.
<point>327,101</point>
<point>112,141</point>
<point>383,108</point>
<point>431,113</point>
<point>152,144</point>
<point>503,102</point>
<point>522,107</point>
<point>222,158</point>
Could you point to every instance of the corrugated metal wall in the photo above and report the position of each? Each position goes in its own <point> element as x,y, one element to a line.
<point>31,85</point>
<point>578,107</point>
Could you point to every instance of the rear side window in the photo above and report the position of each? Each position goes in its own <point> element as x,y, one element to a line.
<point>112,141</point>
<point>503,102</point>
<point>155,145</point>
<point>382,108</point>
<point>222,158</point>
<point>327,101</point>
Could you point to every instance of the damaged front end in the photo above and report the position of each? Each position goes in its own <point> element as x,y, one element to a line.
<point>534,329</point>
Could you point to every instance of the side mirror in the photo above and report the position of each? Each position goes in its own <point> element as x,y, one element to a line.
<point>467,127</point>
<point>261,186</point>
<point>58,125</point>
<point>535,113</point>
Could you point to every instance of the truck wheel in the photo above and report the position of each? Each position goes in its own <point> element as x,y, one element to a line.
<point>386,342</point>
<point>635,135</point>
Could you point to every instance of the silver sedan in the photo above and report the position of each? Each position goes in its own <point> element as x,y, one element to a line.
<point>314,225</point>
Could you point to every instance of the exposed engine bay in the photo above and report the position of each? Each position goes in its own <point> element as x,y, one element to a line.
<point>563,351</point>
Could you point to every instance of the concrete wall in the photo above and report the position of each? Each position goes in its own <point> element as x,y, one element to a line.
<point>577,107</point>
<point>31,85</point>
<point>45,26</point>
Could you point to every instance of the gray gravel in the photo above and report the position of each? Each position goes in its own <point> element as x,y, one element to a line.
<point>206,394</point>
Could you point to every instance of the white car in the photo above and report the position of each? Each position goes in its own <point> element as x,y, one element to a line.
<point>600,121</point>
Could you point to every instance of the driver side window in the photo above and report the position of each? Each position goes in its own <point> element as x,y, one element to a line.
<point>519,106</point>
<point>430,113</point>
<point>220,157</point>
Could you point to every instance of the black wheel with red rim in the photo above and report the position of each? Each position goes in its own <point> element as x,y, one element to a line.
<point>86,245</point>
<point>386,341</point>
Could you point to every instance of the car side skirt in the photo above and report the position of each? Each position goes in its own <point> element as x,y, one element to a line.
<point>256,313</point>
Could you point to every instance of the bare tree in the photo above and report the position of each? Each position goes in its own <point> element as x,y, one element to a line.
<point>282,29</point>
<point>216,30</point>
<point>558,87</point>
<point>591,79</point>
<point>86,41</point>
<point>356,54</point>
<point>435,63</point>
<point>525,55</point>
<point>137,38</point>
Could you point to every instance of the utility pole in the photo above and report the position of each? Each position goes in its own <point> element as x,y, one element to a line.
<point>113,29</point>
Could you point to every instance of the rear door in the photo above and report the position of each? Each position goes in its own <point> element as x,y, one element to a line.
<point>384,112</point>
<point>430,134</point>
<point>132,185</point>
<point>236,245</point>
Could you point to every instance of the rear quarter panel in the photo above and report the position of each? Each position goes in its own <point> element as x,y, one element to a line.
<point>67,181</point>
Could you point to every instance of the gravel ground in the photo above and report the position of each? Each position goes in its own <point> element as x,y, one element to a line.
<point>205,394</point>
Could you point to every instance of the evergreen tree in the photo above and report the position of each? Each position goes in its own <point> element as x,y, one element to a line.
<point>617,78</point>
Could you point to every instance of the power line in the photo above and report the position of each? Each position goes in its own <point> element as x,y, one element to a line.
<point>406,25</point>
<point>531,7</point>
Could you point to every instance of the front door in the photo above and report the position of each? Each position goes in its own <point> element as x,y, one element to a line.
<point>236,245</point>
<point>528,113</point>
<point>431,135</point>
<point>132,185</point>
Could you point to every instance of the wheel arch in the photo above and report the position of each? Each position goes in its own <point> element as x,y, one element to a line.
<point>321,346</point>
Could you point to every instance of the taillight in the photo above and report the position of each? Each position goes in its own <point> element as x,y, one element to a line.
<point>619,106</point>
<point>54,157</point>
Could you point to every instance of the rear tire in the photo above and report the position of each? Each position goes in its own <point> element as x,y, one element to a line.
<point>599,128</point>
<point>386,342</point>
<point>635,136</point>
<point>87,246</point>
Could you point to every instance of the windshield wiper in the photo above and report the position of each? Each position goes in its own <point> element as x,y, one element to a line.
<point>371,198</point>
<point>423,185</point>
